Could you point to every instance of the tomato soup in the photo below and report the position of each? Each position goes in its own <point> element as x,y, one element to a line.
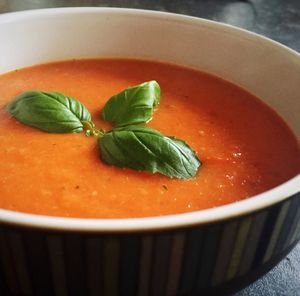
<point>244,146</point>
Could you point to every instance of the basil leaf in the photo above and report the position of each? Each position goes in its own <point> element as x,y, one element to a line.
<point>133,105</point>
<point>145,149</point>
<point>50,111</point>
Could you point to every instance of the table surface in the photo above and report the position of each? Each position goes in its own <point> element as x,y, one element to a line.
<point>276,19</point>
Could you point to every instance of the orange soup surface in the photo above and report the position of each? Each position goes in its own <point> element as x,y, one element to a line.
<point>244,146</point>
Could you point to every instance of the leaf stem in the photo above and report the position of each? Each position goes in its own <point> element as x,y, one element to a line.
<point>91,130</point>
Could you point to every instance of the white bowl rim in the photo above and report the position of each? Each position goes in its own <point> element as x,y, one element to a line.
<point>229,211</point>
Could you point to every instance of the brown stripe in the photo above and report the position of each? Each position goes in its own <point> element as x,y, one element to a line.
<point>296,233</point>
<point>292,231</point>
<point>225,252</point>
<point>145,266</point>
<point>286,226</point>
<point>252,242</point>
<point>262,244</point>
<point>111,253</point>
<point>208,255</point>
<point>276,231</point>
<point>178,242</point>
<point>238,247</point>
<point>191,257</point>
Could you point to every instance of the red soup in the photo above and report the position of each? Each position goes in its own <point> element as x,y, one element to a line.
<point>244,146</point>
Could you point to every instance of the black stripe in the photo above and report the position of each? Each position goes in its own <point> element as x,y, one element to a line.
<point>231,287</point>
<point>297,238</point>
<point>129,266</point>
<point>295,222</point>
<point>248,255</point>
<point>265,236</point>
<point>17,246</point>
<point>75,263</point>
<point>227,251</point>
<point>13,285</point>
<point>286,226</point>
<point>191,257</point>
<point>160,268</point>
<point>3,284</point>
<point>94,261</point>
<point>297,197</point>
<point>209,254</point>
<point>39,269</point>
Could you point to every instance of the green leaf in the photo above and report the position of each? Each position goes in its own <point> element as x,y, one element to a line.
<point>50,111</point>
<point>133,105</point>
<point>145,149</point>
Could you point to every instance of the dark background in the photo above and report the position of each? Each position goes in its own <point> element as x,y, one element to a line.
<point>276,19</point>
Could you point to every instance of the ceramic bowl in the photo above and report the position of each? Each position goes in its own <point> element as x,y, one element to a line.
<point>206,252</point>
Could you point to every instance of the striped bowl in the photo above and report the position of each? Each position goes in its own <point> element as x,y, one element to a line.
<point>209,252</point>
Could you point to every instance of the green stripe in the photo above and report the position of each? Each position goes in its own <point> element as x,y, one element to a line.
<point>276,231</point>
<point>239,247</point>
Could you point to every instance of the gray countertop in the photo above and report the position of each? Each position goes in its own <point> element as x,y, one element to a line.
<point>276,19</point>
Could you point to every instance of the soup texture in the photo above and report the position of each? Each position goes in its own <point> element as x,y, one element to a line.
<point>244,146</point>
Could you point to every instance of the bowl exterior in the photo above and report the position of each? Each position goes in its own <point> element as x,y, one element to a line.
<point>215,258</point>
<point>206,258</point>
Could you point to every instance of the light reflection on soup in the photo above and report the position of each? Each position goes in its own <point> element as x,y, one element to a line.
<point>244,146</point>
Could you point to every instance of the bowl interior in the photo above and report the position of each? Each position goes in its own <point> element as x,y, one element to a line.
<point>265,68</point>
